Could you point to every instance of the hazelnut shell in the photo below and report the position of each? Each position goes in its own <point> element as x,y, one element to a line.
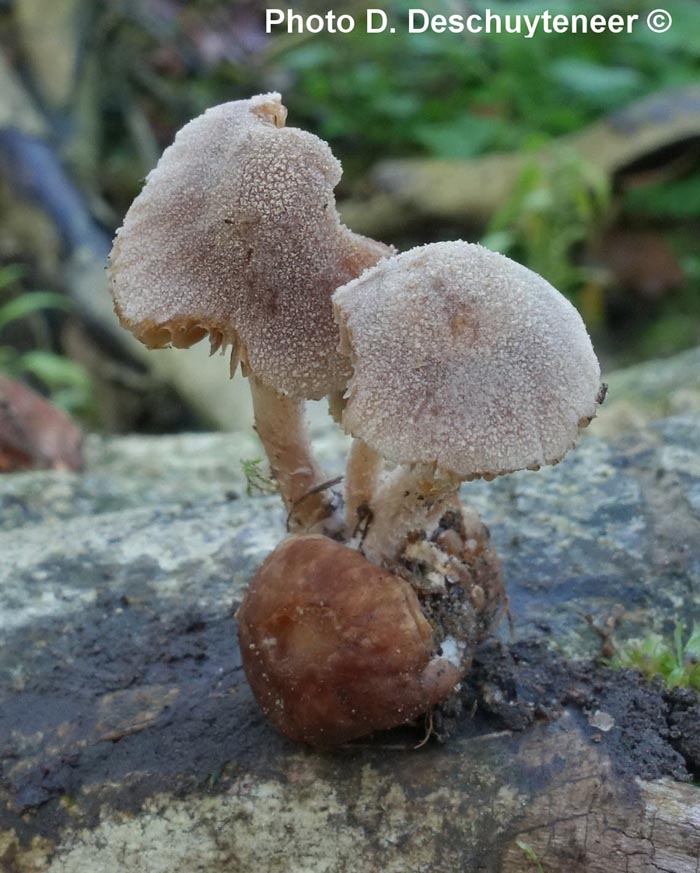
<point>335,647</point>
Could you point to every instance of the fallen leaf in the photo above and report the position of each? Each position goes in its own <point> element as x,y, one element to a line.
<point>34,434</point>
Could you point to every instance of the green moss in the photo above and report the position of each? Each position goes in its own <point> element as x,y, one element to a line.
<point>256,480</point>
<point>676,661</point>
<point>530,854</point>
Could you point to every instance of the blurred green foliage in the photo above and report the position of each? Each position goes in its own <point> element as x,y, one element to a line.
<point>454,95</point>
<point>674,199</point>
<point>148,66</point>
<point>384,95</point>
<point>556,206</point>
<point>67,383</point>
<point>443,96</point>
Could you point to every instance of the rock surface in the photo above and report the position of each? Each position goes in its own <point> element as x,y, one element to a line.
<point>129,739</point>
<point>655,389</point>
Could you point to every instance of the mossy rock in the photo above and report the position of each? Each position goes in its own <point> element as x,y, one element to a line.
<point>130,741</point>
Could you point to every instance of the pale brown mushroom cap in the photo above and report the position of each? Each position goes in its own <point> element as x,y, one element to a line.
<point>236,235</point>
<point>465,359</point>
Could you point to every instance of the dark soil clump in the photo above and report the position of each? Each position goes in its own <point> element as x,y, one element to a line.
<point>648,730</point>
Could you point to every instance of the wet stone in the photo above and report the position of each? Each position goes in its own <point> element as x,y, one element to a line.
<point>129,739</point>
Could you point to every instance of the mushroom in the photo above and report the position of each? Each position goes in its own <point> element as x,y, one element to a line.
<point>335,647</point>
<point>236,236</point>
<point>465,364</point>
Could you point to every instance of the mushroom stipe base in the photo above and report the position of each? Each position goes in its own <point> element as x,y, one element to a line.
<point>457,578</point>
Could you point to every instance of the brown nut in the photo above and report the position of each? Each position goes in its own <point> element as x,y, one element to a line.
<point>335,647</point>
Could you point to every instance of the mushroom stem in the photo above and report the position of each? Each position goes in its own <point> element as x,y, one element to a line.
<point>411,500</point>
<point>363,468</point>
<point>280,424</point>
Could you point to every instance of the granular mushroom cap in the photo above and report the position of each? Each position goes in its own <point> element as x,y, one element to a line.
<point>465,359</point>
<point>236,235</point>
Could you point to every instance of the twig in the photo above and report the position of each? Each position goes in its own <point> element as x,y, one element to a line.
<point>315,490</point>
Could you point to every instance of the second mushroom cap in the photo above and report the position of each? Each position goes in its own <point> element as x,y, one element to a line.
<point>464,359</point>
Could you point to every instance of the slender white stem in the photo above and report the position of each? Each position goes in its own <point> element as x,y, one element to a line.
<point>281,426</point>
<point>411,499</point>
<point>361,475</point>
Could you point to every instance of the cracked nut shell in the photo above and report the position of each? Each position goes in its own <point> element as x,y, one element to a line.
<point>335,647</point>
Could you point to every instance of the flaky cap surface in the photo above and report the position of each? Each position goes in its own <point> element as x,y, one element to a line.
<point>236,235</point>
<point>465,359</point>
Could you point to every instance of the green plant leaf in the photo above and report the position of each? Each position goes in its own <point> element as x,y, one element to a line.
<point>675,678</point>
<point>463,137</point>
<point>675,661</point>
<point>54,371</point>
<point>603,85</point>
<point>68,383</point>
<point>26,304</point>
<point>677,198</point>
<point>9,274</point>
<point>692,646</point>
<point>678,644</point>
<point>530,854</point>
<point>693,676</point>
<point>256,480</point>
<point>8,355</point>
<point>499,241</point>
